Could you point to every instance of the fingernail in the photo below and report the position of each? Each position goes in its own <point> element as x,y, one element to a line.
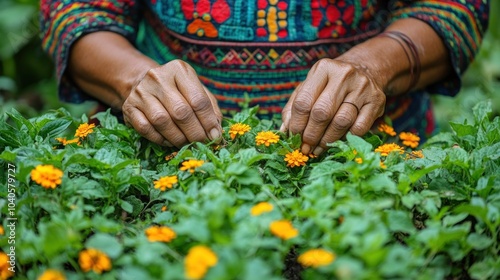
<point>215,134</point>
<point>318,151</point>
<point>168,144</point>
<point>306,149</point>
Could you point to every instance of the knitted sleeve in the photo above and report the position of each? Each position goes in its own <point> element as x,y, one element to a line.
<point>62,22</point>
<point>460,23</point>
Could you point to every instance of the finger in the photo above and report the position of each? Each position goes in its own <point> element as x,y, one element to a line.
<point>344,118</point>
<point>306,96</point>
<point>215,105</point>
<point>367,116</point>
<point>202,106</point>
<point>322,113</point>
<point>286,112</point>
<point>141,124</point>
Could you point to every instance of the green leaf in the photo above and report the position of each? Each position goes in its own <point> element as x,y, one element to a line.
<point>126,206</point>
<point>478,241</point>
<point>400,221</point>
<point>54,128</point>
<point>359,144</point>
<point>463,129</point>
<point>105,243</point>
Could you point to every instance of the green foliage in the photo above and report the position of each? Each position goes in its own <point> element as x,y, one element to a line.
<point>436,217</point>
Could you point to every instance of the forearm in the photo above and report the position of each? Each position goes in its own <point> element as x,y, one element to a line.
<point>107,66</point>
<point>387,63</point>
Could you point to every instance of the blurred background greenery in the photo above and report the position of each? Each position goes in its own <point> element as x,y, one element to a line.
<point>27,74</point>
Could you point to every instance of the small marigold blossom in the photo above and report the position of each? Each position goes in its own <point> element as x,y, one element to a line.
<point>2,231</point>
<point>261,208</point>
<point>52,274</point>
<point>166,182</point>
<point>170,156</point>
<point>415,154</point>
<point>93,259</point>
<point>47,176</point>
<point>316,258</point>
<point>295,158</point>
<point>198,260</point>
<point>386,149</point>
<point>238,129</point>
<point>164,208</point>
<point>382,165</point>
<point>409,139</point>
<point>191,165</point>
<point>387,129</point>
<point>266,138</point>
<point>283,229</point>
<point>5,273</point>
<point>65,142</point>
<point>84,129</point>
<point>358,160</point>
<point>160,234</point>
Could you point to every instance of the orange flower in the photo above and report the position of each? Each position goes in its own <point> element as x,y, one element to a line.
<point>261,208</point>
<point>52,274</point>
<point>238,128</point>
<point>266,138</point>
<point>166,182</point>
<point>382,165</point>
<point>386,149</point>
<point>198,260</point>
<point>296,158</point>
<point>170,156</point>
<point>67,142</point>
<point>47,176</point>
<point>409,139</point>
<point>415,154</point>
<point>316,258</point>
<point>164,208</point>
<point>160,234</point>
<point>5,273</point>
<point>283,229</point>
<point>191,165</point>
<point>2,231</point>
<point>385,128</point>
<point>358,160</point>
<point>84,129</point>
<point>93,259</point>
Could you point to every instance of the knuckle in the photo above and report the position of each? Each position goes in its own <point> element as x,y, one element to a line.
<point>359,128</point>
<point>181,112</point>
<point>159,117</point>
<point>321,113</point>
<point>200,102</point>
<point>342,121</point>
<point>302,104</point>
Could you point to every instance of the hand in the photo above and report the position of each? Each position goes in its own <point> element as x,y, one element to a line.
<point>336,97</point>
<point>171,107</point>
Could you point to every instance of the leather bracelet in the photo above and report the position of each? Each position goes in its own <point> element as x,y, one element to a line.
<point>413,59</point>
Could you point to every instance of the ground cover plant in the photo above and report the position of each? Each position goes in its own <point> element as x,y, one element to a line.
<point>95,201</point>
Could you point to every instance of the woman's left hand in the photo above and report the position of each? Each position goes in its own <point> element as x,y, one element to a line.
<point>336,97</point>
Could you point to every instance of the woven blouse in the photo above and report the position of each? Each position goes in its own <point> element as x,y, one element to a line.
<point>259,51</point>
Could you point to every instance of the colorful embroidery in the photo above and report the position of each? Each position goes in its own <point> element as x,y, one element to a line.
<point>272,19</point>
<point>202,13</point>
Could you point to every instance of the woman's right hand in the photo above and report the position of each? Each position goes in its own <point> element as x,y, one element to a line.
<point>170,106</point>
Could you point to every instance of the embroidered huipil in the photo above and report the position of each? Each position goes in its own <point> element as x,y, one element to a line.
<point>263,49</point>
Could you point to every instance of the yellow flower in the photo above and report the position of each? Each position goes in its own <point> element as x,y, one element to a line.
<point>198,260</point>
<point>84,129</point>
<point>170,156</point>
<point>47,176</point>
<point>386,149</point>
<point>5,273</point>
<point>295,158</point>
<point>166,182</point>
<point>2,231</point>
<point>385,128</point>
<point>67,142</point>
<point>191,165</point>
<point>358,160</point>
<point>52,274</point>
<point>238,128</point>
<point>164,208</point>
<point>160,233</point>
<point>382,165</point>
<point>261,208</point>
<point>415,154</point>
<point>283,229</point>
<point>409,139</point>
<point>93,259</point>
<point>316,258</point>
<point>266,138</point>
